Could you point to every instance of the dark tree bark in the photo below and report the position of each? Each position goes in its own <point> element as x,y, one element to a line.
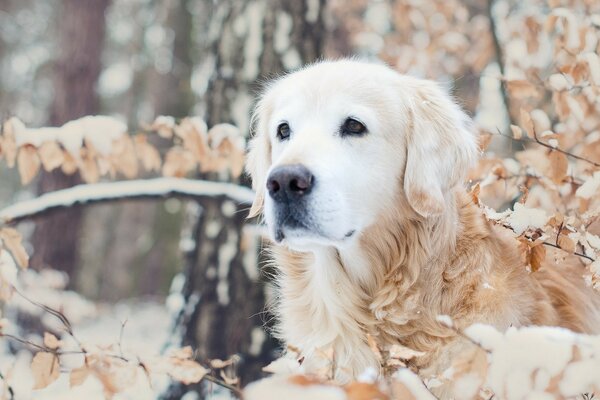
<point>82,27</point>
<point>224,293</point>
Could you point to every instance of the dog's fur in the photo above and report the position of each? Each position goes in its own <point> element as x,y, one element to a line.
<point>418,246</point>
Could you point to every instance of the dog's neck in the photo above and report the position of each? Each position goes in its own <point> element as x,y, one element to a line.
<point>389,284</point>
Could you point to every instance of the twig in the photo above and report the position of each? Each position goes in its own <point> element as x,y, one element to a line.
<point>567,153</point>
<point>224,384</point>
<point>576,253</point>
<point>9,388</point>
<point>536,140</point>
<point>63,319</point>
<point>82,351</point>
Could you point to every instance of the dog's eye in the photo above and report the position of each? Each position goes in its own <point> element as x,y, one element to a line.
<point>283,131</point>
<point>353,127</point>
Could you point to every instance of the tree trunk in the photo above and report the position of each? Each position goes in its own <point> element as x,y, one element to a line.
<point>224,292</point>
<point>56,237</point>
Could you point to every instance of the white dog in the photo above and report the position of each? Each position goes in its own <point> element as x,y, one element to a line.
<point>359,171</point>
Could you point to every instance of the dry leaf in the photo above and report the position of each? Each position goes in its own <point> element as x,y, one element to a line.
<point>69,165</point>
<point>566,244</point>
<point>521,89</point>
<point>364,391</point>
<point>78,376</point>
<point>186,371</point>
<point>51,155</point>
<point>537,257</point>
<point>123,156</point>
<point>45,369</point>
<point>558,166</point>
<point>484,141</point>
<point>178,162</point>
<point>12,240</point>
<point>517,132</point>
<point>9,146</point>
<point>51,341</point>
<point>147,153</point>
<point>527,122</point>
<point>28,162</point>
<point>90,172</point>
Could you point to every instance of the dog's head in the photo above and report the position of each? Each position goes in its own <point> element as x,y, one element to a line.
<point>339,143</point>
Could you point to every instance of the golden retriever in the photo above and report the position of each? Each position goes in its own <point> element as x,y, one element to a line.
<point>359,172</point>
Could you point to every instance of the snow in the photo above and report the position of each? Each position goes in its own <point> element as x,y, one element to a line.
<point>100,131</point>
<point>141,328</point>
<point>445,319</point>
<point>276,388</point>
<point>414,384</point>
<point>125,189</point>
<point>538,360</point>
<point>589,187</point>
<point>523,218</point>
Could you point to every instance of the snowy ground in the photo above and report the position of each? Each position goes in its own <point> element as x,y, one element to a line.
<point>141,327</point>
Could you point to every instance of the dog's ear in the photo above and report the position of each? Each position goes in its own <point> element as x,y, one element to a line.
<point>441,147</point>
<point>258,159</point>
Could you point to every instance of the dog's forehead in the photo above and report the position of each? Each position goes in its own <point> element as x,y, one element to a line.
<point>336,82</point>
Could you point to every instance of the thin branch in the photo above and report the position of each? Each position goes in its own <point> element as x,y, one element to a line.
<point>124,190</point>
<point>538,141</point>
<point>575,156</point>
<point>224,384</point>
<point>9,388</point>
<point>236,391</point>
<point>556,246</point>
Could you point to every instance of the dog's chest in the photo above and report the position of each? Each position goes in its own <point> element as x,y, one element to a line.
<point>322,308</point>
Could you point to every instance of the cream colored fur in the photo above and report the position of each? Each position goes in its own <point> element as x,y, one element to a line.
<point>423,249</point>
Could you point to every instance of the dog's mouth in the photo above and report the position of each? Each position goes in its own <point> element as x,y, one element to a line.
<point>294,228</point>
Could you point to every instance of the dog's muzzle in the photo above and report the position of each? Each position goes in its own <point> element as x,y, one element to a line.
<point>289,186</point>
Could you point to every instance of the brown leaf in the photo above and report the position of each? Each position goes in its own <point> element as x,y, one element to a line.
<point>69,165</point>
<point>484,141</point>
<point>51,341</point>
<point>401,391</point>
<point>123,156</point>
<point>78,376</point>
<point>9,146</point>
<point>364,391</point>
<point>538,255</point>
<point>195,137</point>
<point>517,132</point>
<point>147,153</point>
<point>90,172</point>
<point>521,89</point>
<point>45,369</point>
<point>12,240</point>
<point>218,364</point>
<point>51,155</point>
<point>28,162</point>
<point>566,243</point>
<point>178,162</point>
<point>187,371</point>
<point>558,166</point>
<point>527,122</point>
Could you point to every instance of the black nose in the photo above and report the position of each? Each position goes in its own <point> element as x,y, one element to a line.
<point>289,182</point>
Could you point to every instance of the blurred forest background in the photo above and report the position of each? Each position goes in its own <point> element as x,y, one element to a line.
<point>136,60</point>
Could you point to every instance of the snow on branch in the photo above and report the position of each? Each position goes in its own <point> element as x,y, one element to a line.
<point>110,191</point>
<point>97,146</point>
